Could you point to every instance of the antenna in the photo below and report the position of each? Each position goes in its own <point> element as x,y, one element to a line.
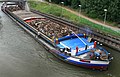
<point>79,38</point>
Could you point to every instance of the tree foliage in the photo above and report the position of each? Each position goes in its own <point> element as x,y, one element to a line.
<point>95,8</point>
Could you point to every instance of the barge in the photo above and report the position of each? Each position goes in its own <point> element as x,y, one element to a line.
<point>66,43</point>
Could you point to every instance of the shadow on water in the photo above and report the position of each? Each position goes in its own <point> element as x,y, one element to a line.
<point>1,25</point>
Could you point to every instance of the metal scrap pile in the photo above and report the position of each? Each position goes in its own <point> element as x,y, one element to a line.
<point>51,29</point>
<point>14,8</point>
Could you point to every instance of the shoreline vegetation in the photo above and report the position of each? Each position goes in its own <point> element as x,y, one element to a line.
<point>58,11</point>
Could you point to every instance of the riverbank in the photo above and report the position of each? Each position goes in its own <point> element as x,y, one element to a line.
<point>61,12</point>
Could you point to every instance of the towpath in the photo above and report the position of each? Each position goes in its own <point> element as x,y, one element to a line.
<point>90,19</point>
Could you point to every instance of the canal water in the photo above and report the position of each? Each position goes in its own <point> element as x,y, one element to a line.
<point>22,56</point>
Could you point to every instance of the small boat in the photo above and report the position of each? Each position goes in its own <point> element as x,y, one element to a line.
<point>66,43</point>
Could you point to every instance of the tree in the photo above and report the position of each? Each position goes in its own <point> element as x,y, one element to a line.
<point>95,8</point>
<point>75,3</point>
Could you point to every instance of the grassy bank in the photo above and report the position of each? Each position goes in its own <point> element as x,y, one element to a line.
<point>57,10</point>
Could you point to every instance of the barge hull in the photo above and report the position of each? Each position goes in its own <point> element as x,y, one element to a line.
<point>46,43</point>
